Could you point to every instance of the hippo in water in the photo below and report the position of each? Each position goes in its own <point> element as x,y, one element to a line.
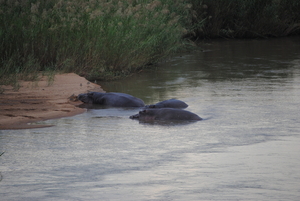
<point>171,103</point>
<point>165,114</point>
<point>111,99</point>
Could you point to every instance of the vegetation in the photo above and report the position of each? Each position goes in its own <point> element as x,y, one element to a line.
<point>111,38</point>
<point>246,18</point>
<point>93,38</point>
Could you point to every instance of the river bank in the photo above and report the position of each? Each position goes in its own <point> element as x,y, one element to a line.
<point>113,39</point>
<point>36,101</point>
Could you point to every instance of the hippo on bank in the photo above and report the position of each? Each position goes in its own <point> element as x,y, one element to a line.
<point>171,103</point>
<point>165,114</point>
<point>111,99</point>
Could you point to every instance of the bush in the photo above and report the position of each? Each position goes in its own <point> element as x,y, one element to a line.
<point>246,18</point>
<point>93,38</point>
<point>111,38</point>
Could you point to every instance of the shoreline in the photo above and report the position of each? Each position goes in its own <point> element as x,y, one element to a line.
<point>38,101</point>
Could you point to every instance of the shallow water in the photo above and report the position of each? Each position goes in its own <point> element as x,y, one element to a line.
<point>246,148</point>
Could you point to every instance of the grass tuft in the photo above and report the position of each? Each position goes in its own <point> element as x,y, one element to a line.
<point>106,39</point>
<point>92,38</point>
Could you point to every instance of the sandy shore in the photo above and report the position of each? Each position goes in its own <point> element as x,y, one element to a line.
<point>36,101</point>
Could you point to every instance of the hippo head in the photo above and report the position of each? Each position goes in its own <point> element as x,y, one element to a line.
<point>136,116</point>
<point>144,115</point>
<point>86,98</point>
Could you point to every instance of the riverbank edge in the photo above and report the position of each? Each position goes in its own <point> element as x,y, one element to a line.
<point>36,101</point>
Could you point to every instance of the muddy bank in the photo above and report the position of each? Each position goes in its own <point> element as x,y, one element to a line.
<point>36,101</point>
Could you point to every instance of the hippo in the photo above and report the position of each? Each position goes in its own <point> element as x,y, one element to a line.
<point>165,114</point>
<point>171,103</point>
<point>111,99</point>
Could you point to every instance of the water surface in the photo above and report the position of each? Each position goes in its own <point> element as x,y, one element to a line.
<point>247,148</point>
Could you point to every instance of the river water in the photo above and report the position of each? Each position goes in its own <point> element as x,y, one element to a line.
<point>246,148</point>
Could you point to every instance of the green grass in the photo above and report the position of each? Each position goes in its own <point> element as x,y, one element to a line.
<point>106,39</point>
<point>93,38</point>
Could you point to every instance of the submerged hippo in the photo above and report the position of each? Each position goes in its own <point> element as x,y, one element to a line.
<point>165,114</point>
<point>111,99</point>
<point>171,103</point>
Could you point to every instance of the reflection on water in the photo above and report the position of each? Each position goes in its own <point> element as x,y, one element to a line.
<point>247,147</point>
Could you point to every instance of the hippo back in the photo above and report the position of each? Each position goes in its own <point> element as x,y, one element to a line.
<point>171,103</point>
<point>166,114</point>
<point>114,99</point>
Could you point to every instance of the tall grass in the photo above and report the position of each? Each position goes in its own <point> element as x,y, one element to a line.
<point>246,18</point>
<point>94,38</point>
<point>108,38</point>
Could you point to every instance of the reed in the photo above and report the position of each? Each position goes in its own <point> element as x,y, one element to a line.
<point>95,38</point>
<point>111,38</point>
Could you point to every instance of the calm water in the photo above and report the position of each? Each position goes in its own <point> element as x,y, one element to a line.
<point>247,148</point>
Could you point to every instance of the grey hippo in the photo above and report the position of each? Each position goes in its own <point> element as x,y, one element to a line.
<point>112,99</point>
<point>165,114</point>
<point>171,103</point>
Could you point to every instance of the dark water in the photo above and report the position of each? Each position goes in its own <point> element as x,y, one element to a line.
<point>247,148</point>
